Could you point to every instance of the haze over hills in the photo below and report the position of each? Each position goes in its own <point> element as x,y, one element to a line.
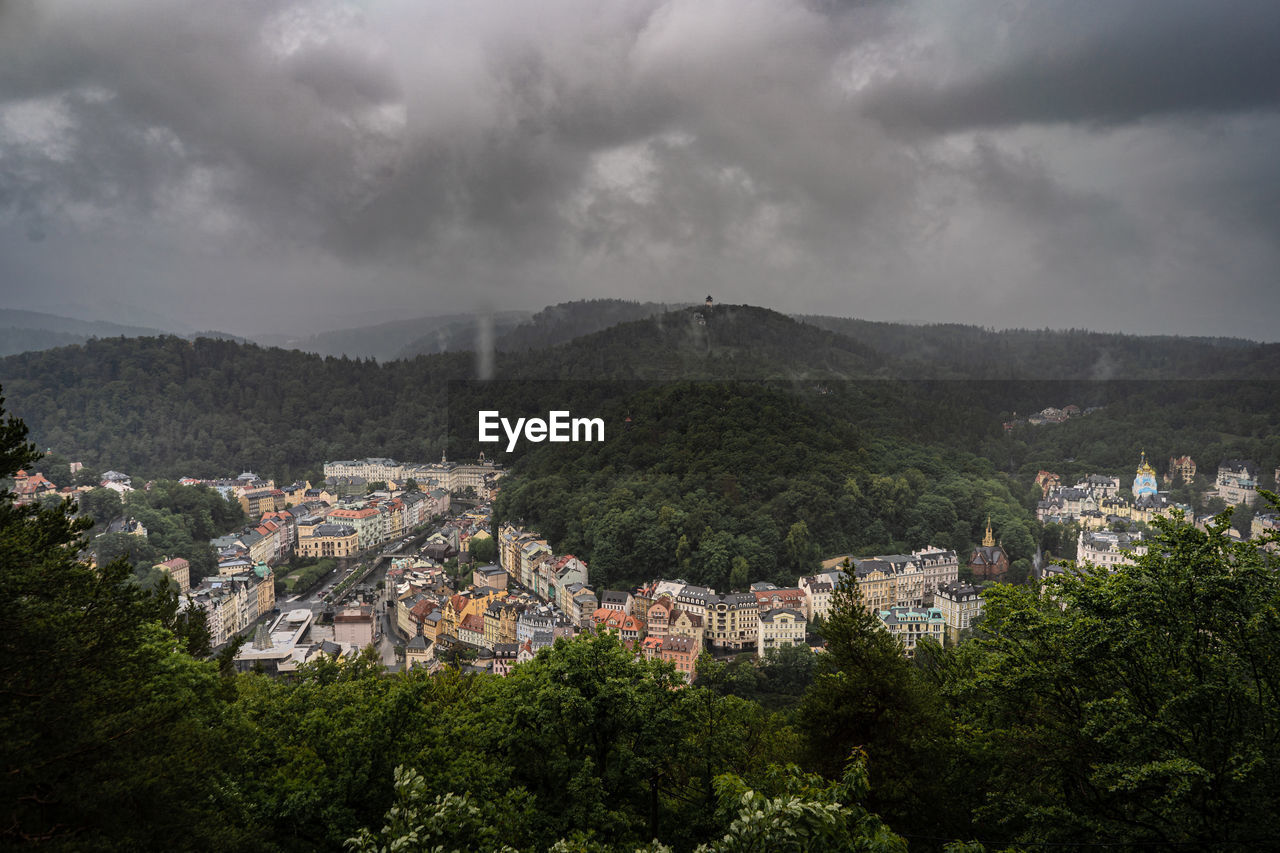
<point>504,330</point>
<point>973,352</point>
<point>165,406</point>
<point>928,351</point>
<point>397,339</point>
<point>22,331</point>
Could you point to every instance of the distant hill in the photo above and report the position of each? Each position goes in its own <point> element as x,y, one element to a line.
<point>167,406</point>
<point>729,342</point>
<point>972,352</point>
<point>562,323</point>
<point>462,333</point>
<point>24,331</point>
<point>398,339</point>
<point>552,326</point>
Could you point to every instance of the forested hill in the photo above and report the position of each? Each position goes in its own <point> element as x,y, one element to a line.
<point>729,342</point>
<point>167,407</point>
<point>725,483</point>
<point>972,352</point>
<point>397,339</point>
<point>559,324</point>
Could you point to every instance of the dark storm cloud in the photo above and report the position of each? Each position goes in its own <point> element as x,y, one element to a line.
<point>933,160</point>
<point>1104,63</point>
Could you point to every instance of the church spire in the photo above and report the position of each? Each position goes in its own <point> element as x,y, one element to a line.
<point>988,541</point>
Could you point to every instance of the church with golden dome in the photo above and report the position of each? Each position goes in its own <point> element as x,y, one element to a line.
<point>1145,481</point>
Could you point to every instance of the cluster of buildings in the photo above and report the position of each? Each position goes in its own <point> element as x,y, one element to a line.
<point>915,595</point>
<point>294,521</point>
<point>233,600</point>
<point>481,475</point>
<point>1098,501</point>
<point>313,523</point>
<point>533,596</point>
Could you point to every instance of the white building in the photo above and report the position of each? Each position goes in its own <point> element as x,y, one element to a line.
<point>960,604</point>
<point>778,628</point>
<point>911,624</point>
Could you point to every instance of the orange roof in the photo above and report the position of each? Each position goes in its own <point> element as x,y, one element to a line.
<point>367,512</point>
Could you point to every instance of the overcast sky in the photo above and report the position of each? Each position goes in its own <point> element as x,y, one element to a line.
<point>260,166</point>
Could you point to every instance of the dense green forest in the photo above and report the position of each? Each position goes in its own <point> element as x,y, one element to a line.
<point>724,484</point>
<point>949,350</point>
<point>1136,709</point>
<point>167,407</point>
<point>716,483</point>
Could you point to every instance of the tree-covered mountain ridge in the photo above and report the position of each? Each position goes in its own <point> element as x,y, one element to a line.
<point>167,407</point>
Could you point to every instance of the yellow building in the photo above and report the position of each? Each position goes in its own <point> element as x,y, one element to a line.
<point>257,502</point>
<point>960,605</point>
<point>779,628</point>
<point>328,540</point>
<point>686,624</point>
<point>266,588</point>
<point>733,621</point>
<point>178,569</point>
<point>500,620</point>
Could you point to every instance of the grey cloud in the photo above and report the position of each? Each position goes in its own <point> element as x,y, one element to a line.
<point>402,156</point>
<point>1101,63</point>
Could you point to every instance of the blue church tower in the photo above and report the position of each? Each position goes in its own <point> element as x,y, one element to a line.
<point>1145,482</point>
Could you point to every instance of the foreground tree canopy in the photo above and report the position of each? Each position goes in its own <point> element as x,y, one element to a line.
<point>1136,709</point>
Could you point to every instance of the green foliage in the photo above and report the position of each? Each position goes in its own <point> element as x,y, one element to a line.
<point>180,521</point>
<point>777,681</point>
<point>484,550</point>
<point>868,696</point>
<point>714,475</point>
<point>303,578</point>
<point>448,822</point>
<point>801,812</point>
<point>1135,707</point>
<point>102,505</point>
<point>112,736</point>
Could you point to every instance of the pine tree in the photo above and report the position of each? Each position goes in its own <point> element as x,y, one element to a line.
<point>110,738</point>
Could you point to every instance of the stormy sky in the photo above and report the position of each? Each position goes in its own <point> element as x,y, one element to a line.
<point>258,166</point>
